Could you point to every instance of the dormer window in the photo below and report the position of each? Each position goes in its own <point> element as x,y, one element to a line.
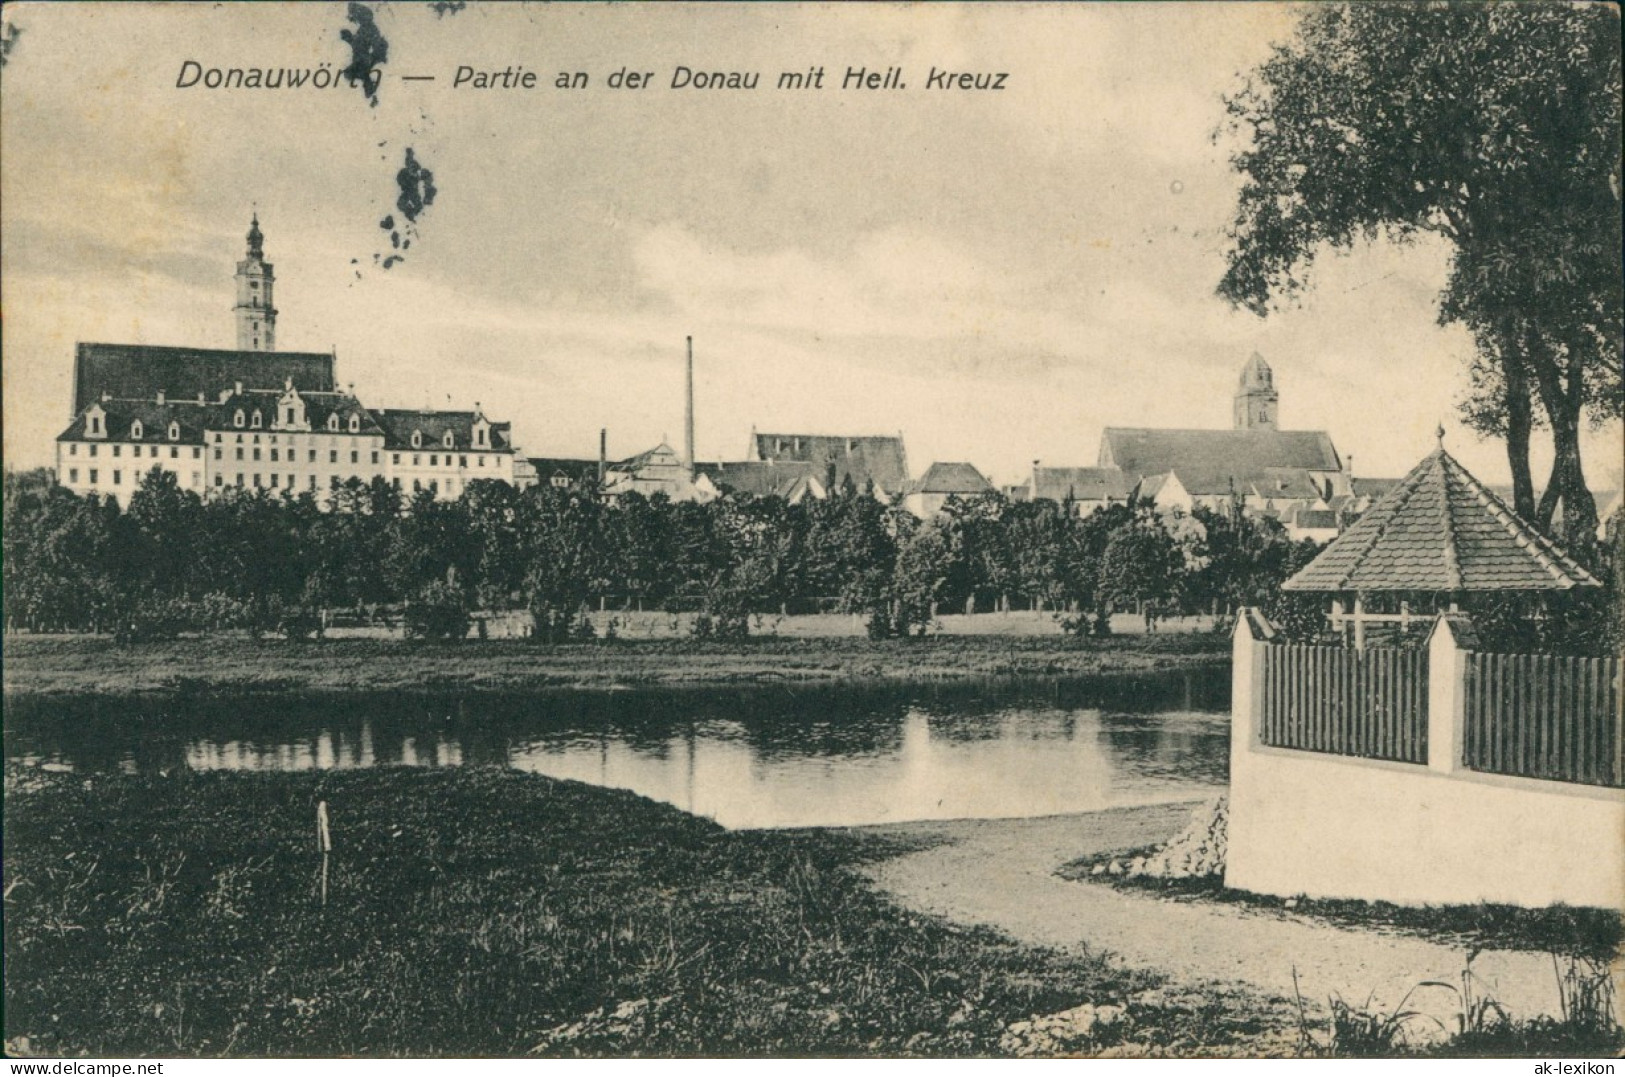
<point>254,420</point>
<point>450,441</point>
<point>136,431</point>
<point>355,424</point>
<point>289,420</point>
<point>174,431</point>
<point>237,420</point>
<point>95,424</point>
<point>417,439</point>
<point>333,423</point>
<point>480,435</point>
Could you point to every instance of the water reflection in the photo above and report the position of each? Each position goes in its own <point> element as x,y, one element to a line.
<point>745,757</point>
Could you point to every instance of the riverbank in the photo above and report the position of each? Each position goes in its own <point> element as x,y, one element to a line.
<point>87,664</point>
<point>483,912</point>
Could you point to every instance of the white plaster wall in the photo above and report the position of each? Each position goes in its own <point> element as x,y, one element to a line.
<point>1332,826</point>
<point>1324,826</point>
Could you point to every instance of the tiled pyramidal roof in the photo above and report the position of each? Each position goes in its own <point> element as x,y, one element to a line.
<point>1440,529</point>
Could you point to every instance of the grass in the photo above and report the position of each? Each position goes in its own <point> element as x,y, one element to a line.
<point>1587,934</point>
<point>486,912</point>
<point>86,664</point>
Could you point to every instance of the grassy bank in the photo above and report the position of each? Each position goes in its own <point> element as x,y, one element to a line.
<point>483,912</point>
<point>54,664</point>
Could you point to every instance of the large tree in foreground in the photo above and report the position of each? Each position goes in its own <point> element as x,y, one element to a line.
<point>1496,126</point>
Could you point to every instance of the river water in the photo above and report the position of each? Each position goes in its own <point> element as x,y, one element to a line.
<point>746,757</point>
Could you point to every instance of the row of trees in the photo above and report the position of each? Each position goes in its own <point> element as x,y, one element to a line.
<point>252,560</point>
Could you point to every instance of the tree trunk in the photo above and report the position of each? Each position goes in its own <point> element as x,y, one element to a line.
<point>1520,421</point>
<point>1562,393</point>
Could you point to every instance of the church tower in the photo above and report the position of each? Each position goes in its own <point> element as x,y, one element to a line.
<point>1257,402</point>
<point>256,313</point>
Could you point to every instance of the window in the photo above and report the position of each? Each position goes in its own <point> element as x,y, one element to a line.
<point>397,482</point>
<point>289,420</point>
<point>480,460</point>
<point>136,430</point>
<point>312,456</point>
<point>239,452</point>
<point>479,436</point>
<point>93,450</point>
<point>237,419</point>
<point>275,478</point>
<point>417,440</point>
<point>117,450</point>
<point>95,424</point>
<point>174,431</point>
<point>254,420</point>
<point>395,458</point>
<point>416,460</point>
<point>333,422</point>
<point>117,476</point>
<point>174,453</point>
<point>417,486</point>
<point>375,458</point>
<point>73,474</point>
<point>273,456</point>
<point>219,480</point>
<point>434,461</point>
<point>256,454</point>
<point>256,480</point>
<point>332,456</point>
<point>217,439</point>
<point>355,458</point>
<point>333,481</point>
<point>197,452</point>
<point>73,449</point>
<point>153,452</point>
<point>450,441</point>
<point>93,476</point>
<point>462,461</point>
<point>239,480</point>
<point>313,482</point>
<point>355,424</point>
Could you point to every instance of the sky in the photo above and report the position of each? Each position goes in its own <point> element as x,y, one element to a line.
<point>997,275</point>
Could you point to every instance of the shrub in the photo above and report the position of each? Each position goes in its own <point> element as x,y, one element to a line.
<point>439,611</point>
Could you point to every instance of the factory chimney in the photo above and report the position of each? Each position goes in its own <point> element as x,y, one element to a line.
<point>603,453</point>
<point>688,414</point>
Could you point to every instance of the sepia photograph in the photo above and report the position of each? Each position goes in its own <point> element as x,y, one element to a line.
<point>812,530</point>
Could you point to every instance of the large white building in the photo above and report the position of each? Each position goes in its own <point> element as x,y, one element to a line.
<point>256,418</point>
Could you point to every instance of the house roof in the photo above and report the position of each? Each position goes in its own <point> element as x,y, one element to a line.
<point>1287,483</point>
<point>952,478</point>
<point>399,424</point>
<point>1440,529</point>
<point>880,459</point>
<point>1374,488</point>
<point>1314,519</point>
<point>644,458</point>
<point>1215,461</point>
<point>1080,483</point>
<point>121,415</point>
<point>571,467</point>
<point>780,478</point>
<point>142,371</point>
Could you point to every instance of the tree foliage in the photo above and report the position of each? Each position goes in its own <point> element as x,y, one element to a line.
<point>1493,125</point>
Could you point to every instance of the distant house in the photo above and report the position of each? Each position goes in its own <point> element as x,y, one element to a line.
<point>931,491</point>
<point>793,480</point>
<point>866,462</point>
<point>561,472</point>
<point>1320,525</point>
<point>1086,488</point>
<point>654,471</point>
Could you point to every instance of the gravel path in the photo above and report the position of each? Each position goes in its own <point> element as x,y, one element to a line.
<point>1001,873</point>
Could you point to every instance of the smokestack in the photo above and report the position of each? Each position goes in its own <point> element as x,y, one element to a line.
<point>688,414</point>
<point>603,453</point>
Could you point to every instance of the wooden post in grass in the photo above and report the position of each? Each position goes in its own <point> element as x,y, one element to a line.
<point>324,842</point>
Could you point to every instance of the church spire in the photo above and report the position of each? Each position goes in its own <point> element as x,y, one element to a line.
<point>256,239</point>
<point>255,310</point>
<point>1257,402</point>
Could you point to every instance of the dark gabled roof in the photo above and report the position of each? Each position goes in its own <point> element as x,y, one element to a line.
<point>1216,461</point>
<point>781,478</point>
<point>1276,482</point>
<point>863,459</point>
<point>121,415</point>
<point>1374,488</point>
<point>1440,529</point>
<point>399,424</point>
<point>642,459</point>
<point>142,371</point>
<point>1080,483</point>
<point>319,407</point>
<point>572,468</point>
<point>952,478</point>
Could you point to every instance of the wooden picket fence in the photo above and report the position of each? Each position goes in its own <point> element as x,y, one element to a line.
<point>1545,716</point>
<point>1333,699</point>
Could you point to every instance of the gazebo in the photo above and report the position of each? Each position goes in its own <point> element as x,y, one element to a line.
<point>1441,533</point>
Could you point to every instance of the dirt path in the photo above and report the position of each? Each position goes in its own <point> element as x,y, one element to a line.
<point>1001,873</point>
